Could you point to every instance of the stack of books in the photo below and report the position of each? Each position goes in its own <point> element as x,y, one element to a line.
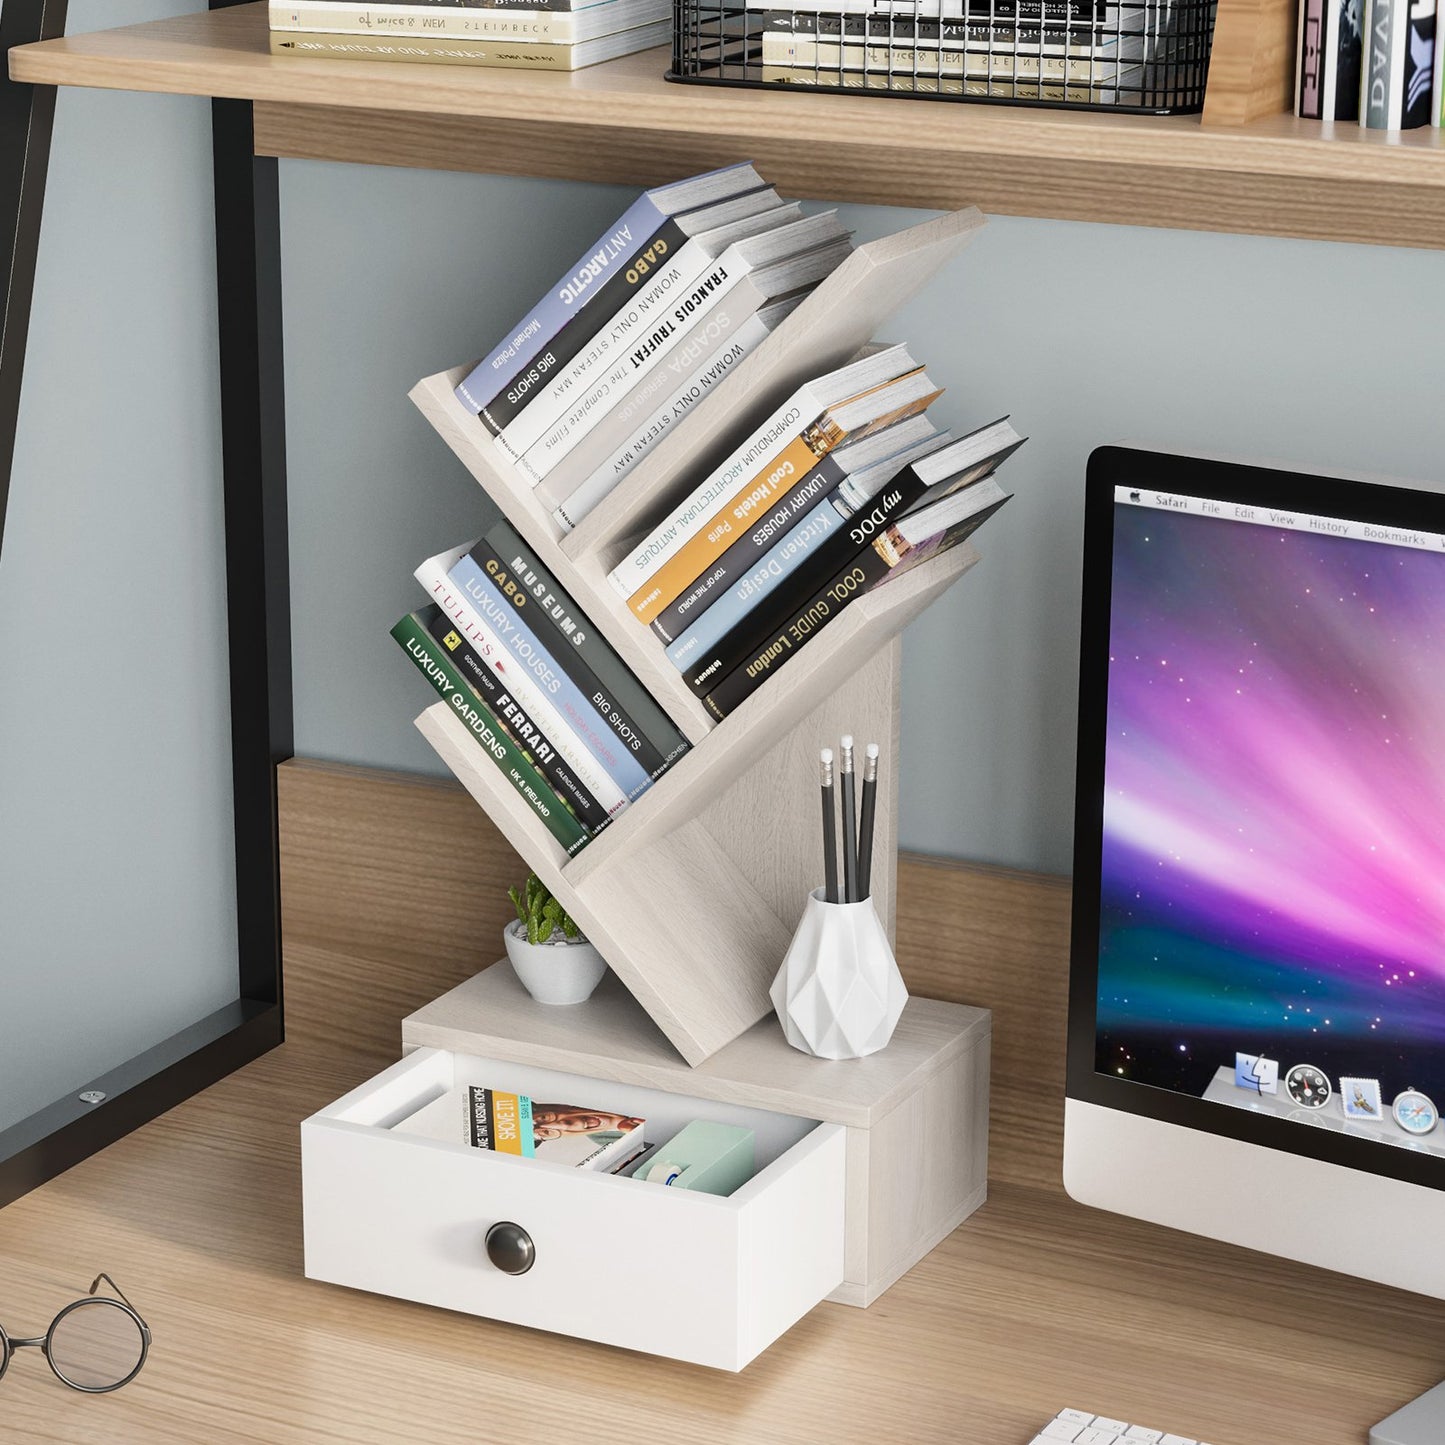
<point>1381,63</point>
<point>546,699</point>
<point>657,311</point>
<point>1054,50</point>
<point>514,34</point>
<point>846,485</point>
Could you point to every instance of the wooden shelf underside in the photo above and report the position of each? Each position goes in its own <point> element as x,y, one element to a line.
<point>623,122</point>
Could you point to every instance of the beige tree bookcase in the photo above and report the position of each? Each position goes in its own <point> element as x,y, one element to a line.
<point>693,893</point>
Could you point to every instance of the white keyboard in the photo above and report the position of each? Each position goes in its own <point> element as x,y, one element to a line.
<point>1078,1427</point>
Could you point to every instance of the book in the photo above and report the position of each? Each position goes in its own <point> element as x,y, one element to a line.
<point>887,80</point>
<point>554,425</point>
<point>693,282</point>
<point>895,61</point>
<point>537,25</point>
<point>505,54</point>
<point>1343,45</point>
<point>894,447</point>
<point>619,244</point>
<point>556,610</point>
<point>516,1124</point>
<point>877,408</point>
<point>1382,80</point>
<point>514,720</point>
<point>713,346</point>
<point>523,685</point>
<point>1419,74</point>
<point>929,478</point>
<point>482,571</point>
<point>758,454</point>
<point>1437,98</point>
<point>530,657</point>
<point>902,546</point>
<point>493,740</point>
<point>737,217</point>
<point>1309,60</point>
<point>344,7</point>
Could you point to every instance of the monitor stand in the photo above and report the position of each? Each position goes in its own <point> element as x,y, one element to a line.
<point>1421,1422</point>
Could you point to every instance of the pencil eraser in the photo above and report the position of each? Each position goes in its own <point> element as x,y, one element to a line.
<point>827,755</point>
<point>872,750</point>
<point>847,740</point>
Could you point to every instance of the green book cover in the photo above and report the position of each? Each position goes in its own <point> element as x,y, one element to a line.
<point>417,643</point>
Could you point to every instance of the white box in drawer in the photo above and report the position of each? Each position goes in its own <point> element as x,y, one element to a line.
<point>713,1281</point>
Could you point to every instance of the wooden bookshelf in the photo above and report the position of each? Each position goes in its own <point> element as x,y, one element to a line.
<point>1269,174</point>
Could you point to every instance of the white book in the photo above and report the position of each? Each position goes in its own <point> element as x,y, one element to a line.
<point>468,22</point>
<point>800,410</point>
<point>653,426</point>
<point>700,275</point>
<point>528,691</point>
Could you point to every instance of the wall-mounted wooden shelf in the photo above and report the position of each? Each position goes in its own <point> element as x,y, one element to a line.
<point>623,122</point>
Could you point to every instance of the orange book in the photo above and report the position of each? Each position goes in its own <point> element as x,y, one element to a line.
<point>756,495</point>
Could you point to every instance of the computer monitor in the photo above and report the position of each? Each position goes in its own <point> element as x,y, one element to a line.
<point>1257,992</point>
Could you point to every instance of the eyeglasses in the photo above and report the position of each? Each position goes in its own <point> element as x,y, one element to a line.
<point>95,1345</point>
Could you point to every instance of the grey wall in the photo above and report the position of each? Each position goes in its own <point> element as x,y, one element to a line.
<point>1316,354</point>
<point>117,923</point>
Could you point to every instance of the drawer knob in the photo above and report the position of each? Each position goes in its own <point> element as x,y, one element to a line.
<point>510,1248</point>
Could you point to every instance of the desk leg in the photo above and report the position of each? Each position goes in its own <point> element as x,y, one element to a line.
<point>248,260</point>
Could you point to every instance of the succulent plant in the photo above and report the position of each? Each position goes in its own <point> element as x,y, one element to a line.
<point>541,915</point>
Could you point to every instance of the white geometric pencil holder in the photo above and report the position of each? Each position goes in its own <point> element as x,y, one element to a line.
<point>839,994</point>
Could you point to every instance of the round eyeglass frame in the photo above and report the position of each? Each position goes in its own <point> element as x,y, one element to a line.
<point>8,1346</point>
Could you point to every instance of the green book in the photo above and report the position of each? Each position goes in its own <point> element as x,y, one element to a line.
<point>492,738</point>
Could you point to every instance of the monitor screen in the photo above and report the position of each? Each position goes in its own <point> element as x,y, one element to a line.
<point>1267,723</point>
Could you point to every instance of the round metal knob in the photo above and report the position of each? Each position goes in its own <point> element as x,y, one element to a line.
<point>510,1248</point>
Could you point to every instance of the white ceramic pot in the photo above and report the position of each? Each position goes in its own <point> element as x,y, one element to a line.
<point>839,993</point>
<point>554,972</point>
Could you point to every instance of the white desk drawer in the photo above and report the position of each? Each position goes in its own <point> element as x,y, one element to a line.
<point>714,1281</point>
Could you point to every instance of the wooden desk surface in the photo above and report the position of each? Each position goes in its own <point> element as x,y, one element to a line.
<point>1033,1304</point>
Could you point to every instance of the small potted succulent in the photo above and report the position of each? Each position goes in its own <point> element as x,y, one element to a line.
<point>548,952</point>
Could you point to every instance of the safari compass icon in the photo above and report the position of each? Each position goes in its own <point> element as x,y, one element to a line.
<point>1414,1112</point>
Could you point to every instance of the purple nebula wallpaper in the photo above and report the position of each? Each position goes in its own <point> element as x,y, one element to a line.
<point>1274,818</point>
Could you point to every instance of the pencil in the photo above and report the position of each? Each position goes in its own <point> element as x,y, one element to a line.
<point>830,835</point>
<point>865,823</point>
<point>850,830</point>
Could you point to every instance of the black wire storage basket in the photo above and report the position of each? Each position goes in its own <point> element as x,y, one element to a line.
<point>1151,56</point>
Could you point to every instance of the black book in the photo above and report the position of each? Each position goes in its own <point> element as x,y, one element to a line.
<point>886,557</point>
<point>515,721</point>
<point>904,440</point>
<point>925,480</point>
<point>566,632</point>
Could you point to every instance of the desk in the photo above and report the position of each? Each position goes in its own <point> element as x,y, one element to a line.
<point>1033,1304</point>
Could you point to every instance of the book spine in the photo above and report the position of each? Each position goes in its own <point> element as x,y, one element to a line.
<point>786,558</point>
<point>341,7</point>
<point>1309,99</point>
<point>493,741</point>
<point>871,567</point>
<point>519,681</point>
<point>733,517</point>
<point>1419,64</point>
<point>1437,98</point>
<point>538,25</point>
<point>706,668</point>
<point>620,355</point>
<point>932,62</point>
<point>722,528</point>
<point>629,737</point>
<point>613,447</point>
<point>748,547</point>
<point>750,459</point>
<point>518,638</point>
<point>552,312</point>
<point>562,614</point>
<point>499,54</point>
<point>1381,82</point>
<point>534,743</point>
<point>609,302</point>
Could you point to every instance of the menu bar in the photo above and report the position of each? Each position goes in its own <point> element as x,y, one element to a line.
<point>1279,517</point>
